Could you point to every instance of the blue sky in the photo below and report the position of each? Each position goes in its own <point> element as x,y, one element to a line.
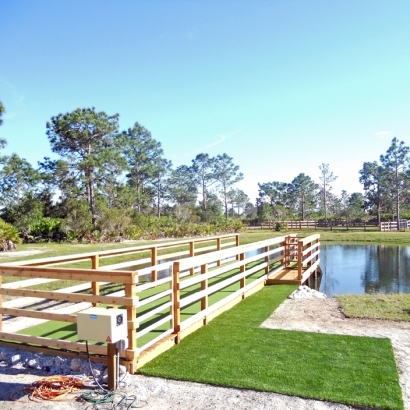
<point>280,86</point>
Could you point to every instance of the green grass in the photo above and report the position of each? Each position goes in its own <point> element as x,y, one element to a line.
<point>394,306</point>
<point>399,238</point>
<point>233,351</point>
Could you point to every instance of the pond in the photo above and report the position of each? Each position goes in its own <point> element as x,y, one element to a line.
<point>361,269</point>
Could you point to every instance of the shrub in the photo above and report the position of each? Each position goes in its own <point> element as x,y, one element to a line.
<point>9,235</point>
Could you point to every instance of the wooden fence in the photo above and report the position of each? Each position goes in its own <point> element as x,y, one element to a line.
<point>394,226</point>
<point>190,293</point>
<point>271,225</point>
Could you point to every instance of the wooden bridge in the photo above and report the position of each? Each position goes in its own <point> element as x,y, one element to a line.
<point>301,261</point>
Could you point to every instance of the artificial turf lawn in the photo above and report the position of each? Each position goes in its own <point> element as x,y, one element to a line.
<point>233,351</point>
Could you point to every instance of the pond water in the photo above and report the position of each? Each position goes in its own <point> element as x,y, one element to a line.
<point>361,269</point>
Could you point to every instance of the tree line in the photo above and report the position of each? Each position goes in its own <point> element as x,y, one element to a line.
<point>386,186</point>
<point>110,184</point>
<point>115,183</point>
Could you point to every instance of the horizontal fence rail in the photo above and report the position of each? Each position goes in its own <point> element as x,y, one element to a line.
<point>279,225</point>
<point>183,295</point>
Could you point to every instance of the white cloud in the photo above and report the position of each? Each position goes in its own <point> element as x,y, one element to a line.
<point>382,133</point>
<point>220,141</point>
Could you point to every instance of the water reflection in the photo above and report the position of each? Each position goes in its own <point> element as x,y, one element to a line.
<point>361,269</point>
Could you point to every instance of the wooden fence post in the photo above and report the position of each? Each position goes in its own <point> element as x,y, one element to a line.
<point>204,286</point>
<point>287,251</point>
<point>300,260</point>
<point>237,244</point>
<point>218,248</point>
<point>95,264</point>
<point>191,254</point>
<point>154,261</point>
<point>177,302</point>
<point>131,292</point>
<point>1,303</point>
<point>266,249</point>
<point>242,269</point>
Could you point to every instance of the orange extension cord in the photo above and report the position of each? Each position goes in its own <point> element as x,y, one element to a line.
<point>50,388</point>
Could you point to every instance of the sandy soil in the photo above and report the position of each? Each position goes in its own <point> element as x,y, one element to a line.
<point>13,254</point>
<point>319,315</point>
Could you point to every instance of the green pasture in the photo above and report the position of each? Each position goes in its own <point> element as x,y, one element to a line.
<point>234,351</point>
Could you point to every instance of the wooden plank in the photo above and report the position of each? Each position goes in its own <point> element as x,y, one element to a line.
<point>109,253</point>
<point>153,298</point>
<point>309,271</point>
<point>44,314</point>
<point>226,268</point>
<point>223,284</point>
<point>53,352</point>
<point>176,298</point>
<point>214,256</point>
<point>25,283</point>
<point>154,325</point>
<point>153,312</point>
<point>314,255</point>
<point>72,297</point>
<point>88,275</point>
<point>149,285</point>
<point>56,343</point>
<point>310,238</point>
<point>156,349</point>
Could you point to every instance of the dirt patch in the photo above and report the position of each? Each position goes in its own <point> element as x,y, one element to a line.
<point>14,254</point>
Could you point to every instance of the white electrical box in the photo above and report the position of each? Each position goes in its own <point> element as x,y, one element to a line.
<point>102,325</point>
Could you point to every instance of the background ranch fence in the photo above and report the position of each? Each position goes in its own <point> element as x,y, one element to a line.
<point>345,225</point>
<point>182,296</point>
<point>403,225</point>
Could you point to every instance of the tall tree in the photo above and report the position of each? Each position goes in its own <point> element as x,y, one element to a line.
<point>86,139</point>
<point>182,189</point>
<point>162,169</point>
<point>303,191</point>
<point>327,177</point>
<point>274,192</point>
<point>238,198</point>
<point>396,165</point>
<point>373,178</point>
<point>205,175</point>
<point>2,111</point>
<point>17,178</point>
<point>142,153</point>
<point>227,174</point>
<point>3,142</point>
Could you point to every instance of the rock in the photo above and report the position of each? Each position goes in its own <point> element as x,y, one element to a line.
<point>48,362</point>
<point>96,373</point>
<point>15,359</point>
<point>76,364</point>
<point>305,292</point>
<point>33,364</point>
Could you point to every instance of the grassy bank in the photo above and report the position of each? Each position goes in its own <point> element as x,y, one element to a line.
<point>380,306</point>
<point>234,351</point>
<point>399,238</point>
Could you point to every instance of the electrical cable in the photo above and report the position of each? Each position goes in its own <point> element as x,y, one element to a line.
<point>106,397</point>
<point>50,388</point>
